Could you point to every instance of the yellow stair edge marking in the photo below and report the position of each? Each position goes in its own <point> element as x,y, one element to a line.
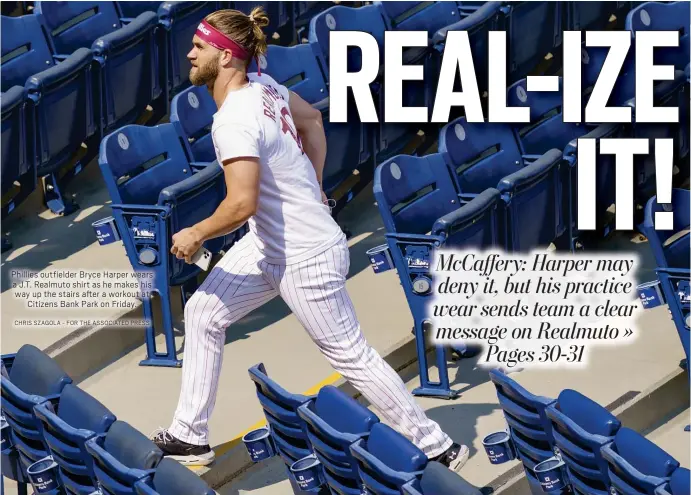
<point>221,449</point>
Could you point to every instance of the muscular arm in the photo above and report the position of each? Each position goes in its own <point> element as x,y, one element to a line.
<point>308,122</point>
<point>240,203</point>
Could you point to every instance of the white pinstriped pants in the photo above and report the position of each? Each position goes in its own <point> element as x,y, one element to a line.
<point>315,291</point>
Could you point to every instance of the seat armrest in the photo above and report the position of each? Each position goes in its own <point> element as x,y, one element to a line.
<point>468,213</point>
<point>141,24</point>
<point>198,180</point>
<point>481,14</point>
<point>529,172</point>
<point>79,60</point>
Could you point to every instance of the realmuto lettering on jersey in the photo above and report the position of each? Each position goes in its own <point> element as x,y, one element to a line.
<point>269,98</point>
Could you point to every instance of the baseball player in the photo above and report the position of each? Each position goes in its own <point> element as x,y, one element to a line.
<point>272,147</point>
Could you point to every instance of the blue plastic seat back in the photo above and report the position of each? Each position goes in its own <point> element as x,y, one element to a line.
<point>637,465</point>
<point>342,412</point>
<point>25,51</point>
<point>413,192</point>
<point>341,18</point>
<point>334,421</point>
<point>680,482</point>
<point>525,414</point>
<point>280,409</point>
<point>419,16</point>
<point>534,30</point>
<point>387,460</point>
<point>479,155</point>
<point>72,25</point>
<point>122,457</point>
<point>534,209</point>
<point>34,377</point>
<point>297,68</point>
<point>182,19</point>
<point>14,151</point>
<point>36,373</point>
<point>192,112</point>
<point>580,428</point>
<point>79,417</point>
<point>138,162</point>
<point>658,16</point>
<point>478,22</point>
<point>172,478</point>
<point>438,479</point>
<point>547,128</point>
<point>670,247</point>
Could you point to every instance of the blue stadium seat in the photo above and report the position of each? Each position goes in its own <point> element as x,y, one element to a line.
<point>18,170</point>
<point>546,129</point>
<point>121,458</point>
<point>62,110</point>
<point>637,466</point>
<point>191,112</point>
<point>172,478</point>
<point>534,29</point>
<point>281,411</point>
<point>34,378</point>
<point>670,247</point>
<point>65,428</point>
<point>387,461</point>
<point>531,429</point>
<point>580,428</point>
<point>334,422</point>
<point>130,73</point>
<point>180,20</point>
<point>678,483</point>
<point>156,192</point>
<point>483,155</point>
<point>437,479</point>
<point>488,17</point>
<point>658,16</point>
<point>421,211</point>
<point>671,251</point>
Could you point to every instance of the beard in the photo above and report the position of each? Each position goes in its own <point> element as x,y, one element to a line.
<point>206,74</point>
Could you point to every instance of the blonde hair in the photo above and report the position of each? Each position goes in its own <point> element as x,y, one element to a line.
<point>245,30</point>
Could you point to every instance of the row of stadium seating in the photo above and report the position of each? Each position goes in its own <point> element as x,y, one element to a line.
<point>115,60</point>
<point>600,456</point>
<point>515,187</point>
<point>48,416</point>
<point>355,452</point>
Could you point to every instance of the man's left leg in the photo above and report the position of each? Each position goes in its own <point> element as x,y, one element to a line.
<point>315,291</point>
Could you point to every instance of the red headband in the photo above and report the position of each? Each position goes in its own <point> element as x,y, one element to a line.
<point>217,39</point>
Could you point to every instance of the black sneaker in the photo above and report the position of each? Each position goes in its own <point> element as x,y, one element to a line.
<point>454,458</point>
<point>184,453</point>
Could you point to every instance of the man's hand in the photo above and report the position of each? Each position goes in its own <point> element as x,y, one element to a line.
<point>325,200</point>
<point>186,243</point>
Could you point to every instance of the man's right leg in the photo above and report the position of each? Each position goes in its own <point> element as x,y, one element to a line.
<point>234,287</point>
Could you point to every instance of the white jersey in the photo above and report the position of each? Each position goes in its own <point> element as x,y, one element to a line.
<point>292,223</point>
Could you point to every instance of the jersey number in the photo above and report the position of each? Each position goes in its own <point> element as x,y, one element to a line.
<point>288,127</point>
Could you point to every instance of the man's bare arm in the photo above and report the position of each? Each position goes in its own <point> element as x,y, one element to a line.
<point>310,127</point>
<point>240,203</point>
